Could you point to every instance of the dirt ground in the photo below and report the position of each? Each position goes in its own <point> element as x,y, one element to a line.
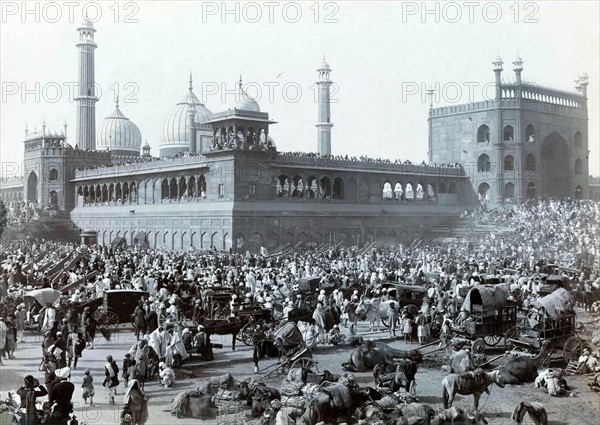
<point>583,407</point>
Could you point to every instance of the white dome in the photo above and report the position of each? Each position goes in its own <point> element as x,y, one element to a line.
<point>119,134</point>
<point>244,102</point>
<point>174,129</point>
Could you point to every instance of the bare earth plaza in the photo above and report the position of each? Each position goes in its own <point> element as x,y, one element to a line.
<point>396,224</point>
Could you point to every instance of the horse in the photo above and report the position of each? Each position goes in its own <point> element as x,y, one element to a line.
<point>476,383</point>
<point>222,327</point>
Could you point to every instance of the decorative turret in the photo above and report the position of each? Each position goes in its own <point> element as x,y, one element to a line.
<point>146,150</point>
<point>583,83</point>
<point>498,71</point>
<point>518,67</point>
<point>324,125</point>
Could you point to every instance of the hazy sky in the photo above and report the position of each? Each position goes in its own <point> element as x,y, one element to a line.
<point>382,55</point>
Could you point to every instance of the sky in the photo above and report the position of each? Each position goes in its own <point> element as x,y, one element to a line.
<point>383,56</point>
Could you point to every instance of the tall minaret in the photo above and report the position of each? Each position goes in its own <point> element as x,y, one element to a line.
<point>86,97</point>
<point>324,125</point>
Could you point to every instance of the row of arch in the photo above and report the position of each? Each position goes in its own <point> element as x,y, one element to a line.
<point>337,189</point>
<point>16,196</point>
<point>183,239</point>
<point>484,164</point>
<point>483,135</point>
<point>311,187</point>
<point>509,191</point>
<point>153,191</point>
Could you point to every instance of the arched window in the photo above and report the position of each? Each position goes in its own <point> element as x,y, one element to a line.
<point>298,187</point>
<point>192,188</point>
<point>509,163</point>
<point>420,192</point>
<point>531,190</point>
<point>311,187</point>
<point>182,187</point>
<point>483,163</point>
<point>578,139</point>
<point>387,191</point>
<point>509,133</point>
<point>338,188</point>
<point>530,162</point>
<point>164,189</point>
<point>398,192</point>
<point>202,186</point>
<point>173,188</point>
<point>409,193</point>
<point>578,166</point>
<point>53,174</point>
<point>325,188</point>
<point>530,133</point>
<point>430,193</point>
<point>509,192</point>
<point>483,192</point>
<point>578,192</point>
<point>483,134</point>
<point>282,186</point>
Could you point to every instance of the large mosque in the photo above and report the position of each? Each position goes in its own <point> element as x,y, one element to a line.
<point>220,182</point>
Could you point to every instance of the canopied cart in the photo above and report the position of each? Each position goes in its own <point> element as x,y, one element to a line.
<point>548,330</point>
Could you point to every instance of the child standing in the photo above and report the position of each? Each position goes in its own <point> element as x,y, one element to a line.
<point>87,387</point>
<point>407,327</point>
<point>126,364</point>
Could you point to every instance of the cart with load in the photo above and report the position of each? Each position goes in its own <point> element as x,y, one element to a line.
<point>490,315</point>
<point>294,354</point>
<point>549,330</point>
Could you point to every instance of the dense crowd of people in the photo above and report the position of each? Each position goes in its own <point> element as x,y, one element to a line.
<point>181,290</point>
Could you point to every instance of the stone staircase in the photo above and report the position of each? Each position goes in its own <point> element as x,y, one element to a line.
<point>464,229</point>
<point>48,228</point>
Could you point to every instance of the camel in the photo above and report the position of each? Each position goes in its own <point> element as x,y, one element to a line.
<point>372,353</point>
<point>475,383</point>
<point>518,370</point>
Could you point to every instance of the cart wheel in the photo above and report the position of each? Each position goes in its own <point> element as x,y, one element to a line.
<point>572,349</point>
<point>478,346</point>
<point>412,309</point>
<point>97,313</point>
<point>492,340</point>
<point>303,363</point>
<point>247,335</point>
<point>512,333</point>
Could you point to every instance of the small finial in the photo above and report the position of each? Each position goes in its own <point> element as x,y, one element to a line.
<point>191,87</point>
<point>26,130</point>
<point>117,101</point>
<point>240,80</point>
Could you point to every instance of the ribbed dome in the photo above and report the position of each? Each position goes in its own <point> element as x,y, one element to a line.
<point>119,134</point>
<point>174,129</point>
<point>244,102</point>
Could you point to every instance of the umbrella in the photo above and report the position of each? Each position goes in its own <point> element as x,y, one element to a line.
<point>44,295</point>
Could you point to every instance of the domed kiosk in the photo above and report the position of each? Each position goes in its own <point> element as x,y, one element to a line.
<point>119,135</point>
<point>185,128</point>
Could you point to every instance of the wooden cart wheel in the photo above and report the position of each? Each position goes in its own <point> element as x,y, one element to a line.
<point>412,309</point>
<point>303,363</point>
<point>478,346</point>
<point>492,340</point>
<point>572,349</point>
<point>96,314</point>
<point>511,333</point>
<point>247,334</point>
